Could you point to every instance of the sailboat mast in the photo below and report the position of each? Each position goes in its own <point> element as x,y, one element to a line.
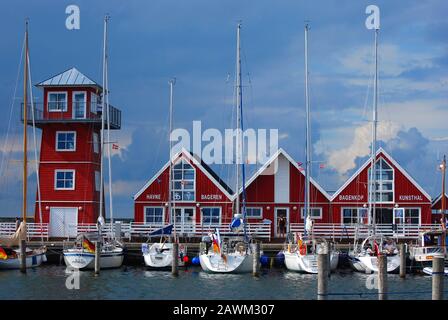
<point>25,124</point>
<point>172,215</point>
<point>238,118</point>
<point>372,188</point>
<point>109,158</point>
<point>103,107</point>
<point>443,205</point>
<point>308,136</point>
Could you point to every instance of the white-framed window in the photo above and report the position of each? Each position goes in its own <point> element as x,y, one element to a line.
<point>57,101</point>
<point>95,104</point>
<point>254,212</point>
<point>354,215</point>
<point>79,103</point>
<point>97,181</point>
<point>65,140</point>
<point>211,215</point>
<point>315,213</point>
<point>96,142</point>
<point>154,215</point>
<point>64,179</point>
<point>183,182</point>
<point>412,216</point>
<point>384,184</point>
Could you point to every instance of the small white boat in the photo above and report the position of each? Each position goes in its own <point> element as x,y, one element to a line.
<point>303,257</point>
<point>226,260</point>
<point>427,248</point>
<point>34,258</point>
<point>159,255</point>
<point>428,271</point>
<point>364,258</point>
<point>80,257</point>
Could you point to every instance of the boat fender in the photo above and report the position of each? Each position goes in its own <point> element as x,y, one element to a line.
<point>185,259</point>
<point>44,258</point>
<point>302,250</point>
<point>195,261</point>
<point>264,260</point>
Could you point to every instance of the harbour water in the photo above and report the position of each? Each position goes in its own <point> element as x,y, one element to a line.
<point>134,282</point>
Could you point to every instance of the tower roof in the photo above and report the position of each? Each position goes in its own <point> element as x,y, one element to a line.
<point>70,77</point>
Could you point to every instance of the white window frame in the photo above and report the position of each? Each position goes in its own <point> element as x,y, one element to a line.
<point>211,224</point>
<point>154,207</point>
<point>57,92</point>
<point>95,99</point>
<point>419,214</point>
<point>376,181</point>
<point>64,170</point>
<point>357,215</point>
<point>65,150</point>
<point>85,104</point>
<point>97,180</point>
<point>96,143</point>
<point>255,217</point>
<point>182,160</point>
<point>302,212</point>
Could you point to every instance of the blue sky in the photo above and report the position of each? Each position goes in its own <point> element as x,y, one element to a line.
<point>152,41</point>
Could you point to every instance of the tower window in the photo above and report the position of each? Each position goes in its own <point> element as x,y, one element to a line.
<point>183,182</point>
<point>64,180</point>
<point>384,184</point>
<point>57,101</point>
<point>65,140</point>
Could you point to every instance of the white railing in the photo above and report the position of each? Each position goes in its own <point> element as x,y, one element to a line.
<point>339,231</point>
<point>256,230</point>
<point>34,230</point>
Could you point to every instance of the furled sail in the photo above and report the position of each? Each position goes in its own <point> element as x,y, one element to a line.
<point>14,240</point>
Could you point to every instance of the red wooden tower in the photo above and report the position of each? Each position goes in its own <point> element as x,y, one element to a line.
<point>70,153</point>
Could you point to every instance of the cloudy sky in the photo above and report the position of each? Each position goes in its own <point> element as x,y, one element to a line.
<point>152,41</point>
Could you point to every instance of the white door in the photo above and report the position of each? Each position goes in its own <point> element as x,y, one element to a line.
<point>399,221</point>
<point>281,213</point>
<point>63,222</point>
<point>185,219</point>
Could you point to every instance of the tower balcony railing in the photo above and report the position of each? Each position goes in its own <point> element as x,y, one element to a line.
<point>78,112</point>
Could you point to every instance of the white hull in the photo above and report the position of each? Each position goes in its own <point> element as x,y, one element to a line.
<point>31,262</point>
<point>307,263</point>
<point>79,259</point>
<point>160,256</point>
<point>428,271</point>
<point>367,263</point>
<point>236,263</point>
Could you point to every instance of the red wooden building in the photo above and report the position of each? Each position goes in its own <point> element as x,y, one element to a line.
<point>69,167</point>
<point>399,198</point>
<point>277,190</point>
<point>437,208</point>
<point>198,195</point>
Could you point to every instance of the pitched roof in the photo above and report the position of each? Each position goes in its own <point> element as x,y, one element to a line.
<point>367,163</point>
<point>279,152</point>
<point>70,77</point>
<point>200,164</point>
<point>438,199</point>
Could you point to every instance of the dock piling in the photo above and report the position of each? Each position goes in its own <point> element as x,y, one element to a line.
<point>437,278</point>
<point>97,257</point>
<point>382,277</point>
<point>256,260</point>
<point>402,261</point>
<point>175,262</point>
<point>23,256</point>
<point>322,276</point>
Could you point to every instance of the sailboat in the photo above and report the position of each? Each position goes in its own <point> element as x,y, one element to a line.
<point>159,255</point>
<point>301,253</point>
<point>10,253</point>
<point>82,254</point>
<point>364,256</point>
<point>233,254</point>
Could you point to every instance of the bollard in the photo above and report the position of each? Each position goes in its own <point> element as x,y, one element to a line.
<point>175,262</point>
<point>256,260</point>
<point>382,277</point>
<point>402,261</point>
<point>437,278</point>
<point>272,262</point>
<point>97,257</point>
<point>322,276</point>
<point>328,251</point>
<point>23,256</point>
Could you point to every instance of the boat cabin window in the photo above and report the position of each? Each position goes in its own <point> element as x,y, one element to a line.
<point>384,184</point>
<point>57,101</point>
<point>183,182</point>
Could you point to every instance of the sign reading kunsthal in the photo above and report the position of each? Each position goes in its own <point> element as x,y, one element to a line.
<point>410,197</point>
<point>351,197</point>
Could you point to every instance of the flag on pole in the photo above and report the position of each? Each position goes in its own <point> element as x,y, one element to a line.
<point>88,246</point>
<point>115,146</point>
<point>3,254</point>
<point>321,166</point>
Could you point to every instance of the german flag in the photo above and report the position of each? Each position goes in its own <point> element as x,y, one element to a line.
<point>3,254</point>
<point>88,246</point>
